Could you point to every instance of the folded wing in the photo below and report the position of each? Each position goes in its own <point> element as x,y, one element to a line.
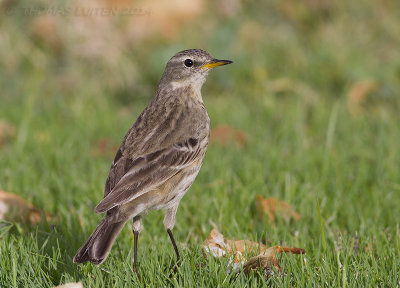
<point>131,178</point>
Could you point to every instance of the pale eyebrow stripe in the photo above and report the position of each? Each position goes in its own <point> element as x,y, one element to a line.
<point>181,59</point>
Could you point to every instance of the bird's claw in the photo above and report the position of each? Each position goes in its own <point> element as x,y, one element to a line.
<point>173,268</point>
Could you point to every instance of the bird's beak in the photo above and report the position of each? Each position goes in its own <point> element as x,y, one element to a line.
<point>216,63</point>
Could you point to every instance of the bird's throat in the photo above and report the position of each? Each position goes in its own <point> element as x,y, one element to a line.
<point>185,89</point>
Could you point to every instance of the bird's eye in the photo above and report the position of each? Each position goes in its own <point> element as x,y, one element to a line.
<point>188,63</point>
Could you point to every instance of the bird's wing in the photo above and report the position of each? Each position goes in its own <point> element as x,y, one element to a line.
<point>148,135</point>
<point>119,167</point>
<point>148,172</point>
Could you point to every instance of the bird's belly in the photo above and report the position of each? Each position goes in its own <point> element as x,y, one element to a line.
<point>174,190</point>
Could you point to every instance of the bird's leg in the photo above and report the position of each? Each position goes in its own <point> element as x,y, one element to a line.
<point>178,257</point>
<point>169,223</point>
<point>136,238</point>
<point>136,228</point>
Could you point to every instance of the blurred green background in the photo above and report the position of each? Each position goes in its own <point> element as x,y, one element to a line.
<point>313,92</point>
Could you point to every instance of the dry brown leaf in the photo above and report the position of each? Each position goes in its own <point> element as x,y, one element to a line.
<point>273,208</point>
<point>218,246</point>
<point>268,260</point>
<point>7,131</point>
<point>225,135</point>
<point>15,208</point>
<point>358,93</point>
<point>70,285</point>
<point>238,250</point>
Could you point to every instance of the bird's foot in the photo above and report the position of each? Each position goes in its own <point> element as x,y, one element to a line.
<point>173,268</point>
<point>137,273</point>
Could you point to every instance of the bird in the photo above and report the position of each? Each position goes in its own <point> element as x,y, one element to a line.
<point>159,157</point>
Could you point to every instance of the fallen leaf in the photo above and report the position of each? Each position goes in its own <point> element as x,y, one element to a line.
<point>70,285</point>
<point>358,93</point>
<point>225,135</point>
<point>7,131</point>
<point>218,246</point>
<point>15,208</point>
<point>267,260</point>
<point>238,250</point>
<point>273,207</point>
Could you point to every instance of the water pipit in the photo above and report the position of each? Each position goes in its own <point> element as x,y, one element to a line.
<point>159,157</point>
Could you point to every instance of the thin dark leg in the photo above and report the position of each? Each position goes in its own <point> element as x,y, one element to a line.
<point>136,238</point>
<point>178,257</point>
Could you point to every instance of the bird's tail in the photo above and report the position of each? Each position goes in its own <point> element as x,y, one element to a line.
<point>98,246</point>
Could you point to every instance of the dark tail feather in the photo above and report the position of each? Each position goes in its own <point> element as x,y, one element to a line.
<point>99,244</point>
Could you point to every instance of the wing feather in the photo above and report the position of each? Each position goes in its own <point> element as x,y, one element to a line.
<point>148,172</point>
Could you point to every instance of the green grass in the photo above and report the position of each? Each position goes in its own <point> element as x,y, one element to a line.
<point>286,89</point>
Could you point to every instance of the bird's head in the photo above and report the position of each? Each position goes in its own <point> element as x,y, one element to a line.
<point>190,67</point>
